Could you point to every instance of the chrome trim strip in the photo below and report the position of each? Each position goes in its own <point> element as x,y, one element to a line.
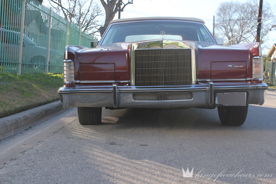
<point>193,65</point>
<point>100,81</point>
<point>63,90</point>
<point>223,80</point>
<point>257,57</point>
<point>149,90</point>
<point>263,86</point>
<point>66,52</point>
<point>133,47</point>
<point>123,81</point>
<point>257,79</point>
<point>132,89</point>
<point>67,61</point>
<point>260,49</point>
<point>191,19</point>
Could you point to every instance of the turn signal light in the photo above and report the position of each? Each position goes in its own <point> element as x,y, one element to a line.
<point>257,68</point>
<point>68,72</point>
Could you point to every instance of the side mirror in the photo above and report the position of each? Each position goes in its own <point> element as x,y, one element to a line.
<point>94,44</point>
<point>220,41</point>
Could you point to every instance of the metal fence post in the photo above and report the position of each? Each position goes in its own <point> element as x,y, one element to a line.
<point>49,42</point>
<point>1,15</point>
<point>80,36</point>
<point>67,33</point>
<point>21,36</point>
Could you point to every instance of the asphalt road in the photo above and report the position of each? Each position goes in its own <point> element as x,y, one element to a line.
<point>145,146</point>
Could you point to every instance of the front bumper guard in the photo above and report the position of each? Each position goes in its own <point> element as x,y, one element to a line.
<point>114,96</point>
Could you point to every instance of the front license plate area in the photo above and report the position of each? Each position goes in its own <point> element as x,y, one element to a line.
<point>231,99</point>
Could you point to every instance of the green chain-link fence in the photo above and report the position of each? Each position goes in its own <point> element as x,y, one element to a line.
<point>33,37</point>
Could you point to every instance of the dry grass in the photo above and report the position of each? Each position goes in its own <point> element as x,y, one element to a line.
<point>19,93</point>
<point>271,86</point>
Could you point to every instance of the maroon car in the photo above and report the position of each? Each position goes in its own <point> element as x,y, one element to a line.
<point>162,63</point>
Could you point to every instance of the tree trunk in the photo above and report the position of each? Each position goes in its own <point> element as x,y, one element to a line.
<point>109,17</point>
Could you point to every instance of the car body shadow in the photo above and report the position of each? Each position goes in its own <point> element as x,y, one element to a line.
<point>259,117</point>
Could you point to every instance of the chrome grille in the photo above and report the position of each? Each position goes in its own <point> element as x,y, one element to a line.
<point>163,67</point>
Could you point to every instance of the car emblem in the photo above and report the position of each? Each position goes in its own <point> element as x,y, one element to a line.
<point>235,66</point>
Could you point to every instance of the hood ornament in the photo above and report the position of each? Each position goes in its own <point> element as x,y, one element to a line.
<point>162,33</point>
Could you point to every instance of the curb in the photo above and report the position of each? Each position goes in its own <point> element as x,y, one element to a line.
<point>11,125</point>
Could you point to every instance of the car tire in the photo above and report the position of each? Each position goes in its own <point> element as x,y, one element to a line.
<point>90,115</point>
<point>232,115</point>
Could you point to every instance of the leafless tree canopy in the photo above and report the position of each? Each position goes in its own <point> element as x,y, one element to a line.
<point>238,21</point>
<point>111,7</point>
<point>80,12</point>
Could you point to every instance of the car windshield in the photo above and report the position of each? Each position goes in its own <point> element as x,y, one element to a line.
<point>159,29</point>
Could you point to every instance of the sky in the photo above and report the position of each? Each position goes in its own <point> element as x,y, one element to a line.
<point>203,9</point>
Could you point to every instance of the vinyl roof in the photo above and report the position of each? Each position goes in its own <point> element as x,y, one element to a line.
<point>158,18</point>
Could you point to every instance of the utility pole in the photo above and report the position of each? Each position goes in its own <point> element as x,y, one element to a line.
<point>122,9</point>
<point>119,13</point>
<point>214,24</point>
<point>259,21</point>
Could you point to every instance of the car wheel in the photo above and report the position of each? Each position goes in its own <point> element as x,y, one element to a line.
<point>232,115</point>
<point>90,115</point>
<point>39,63</point>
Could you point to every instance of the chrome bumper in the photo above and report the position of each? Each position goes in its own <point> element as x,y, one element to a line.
<point>122,96</point>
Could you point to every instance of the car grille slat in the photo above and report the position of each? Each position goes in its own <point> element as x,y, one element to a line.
<point>163,67</point>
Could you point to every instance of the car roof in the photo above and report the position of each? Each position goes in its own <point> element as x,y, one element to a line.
<point>158,18</point>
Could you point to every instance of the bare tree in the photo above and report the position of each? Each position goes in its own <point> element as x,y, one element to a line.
<point>80,12</point>
<point>238,21</point>
<point>111,7</point>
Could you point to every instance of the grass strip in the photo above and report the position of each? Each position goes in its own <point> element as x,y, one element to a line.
<point>26,91</point>
<point>271,86</point>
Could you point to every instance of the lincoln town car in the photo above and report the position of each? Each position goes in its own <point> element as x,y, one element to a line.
<point>162,63</point>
